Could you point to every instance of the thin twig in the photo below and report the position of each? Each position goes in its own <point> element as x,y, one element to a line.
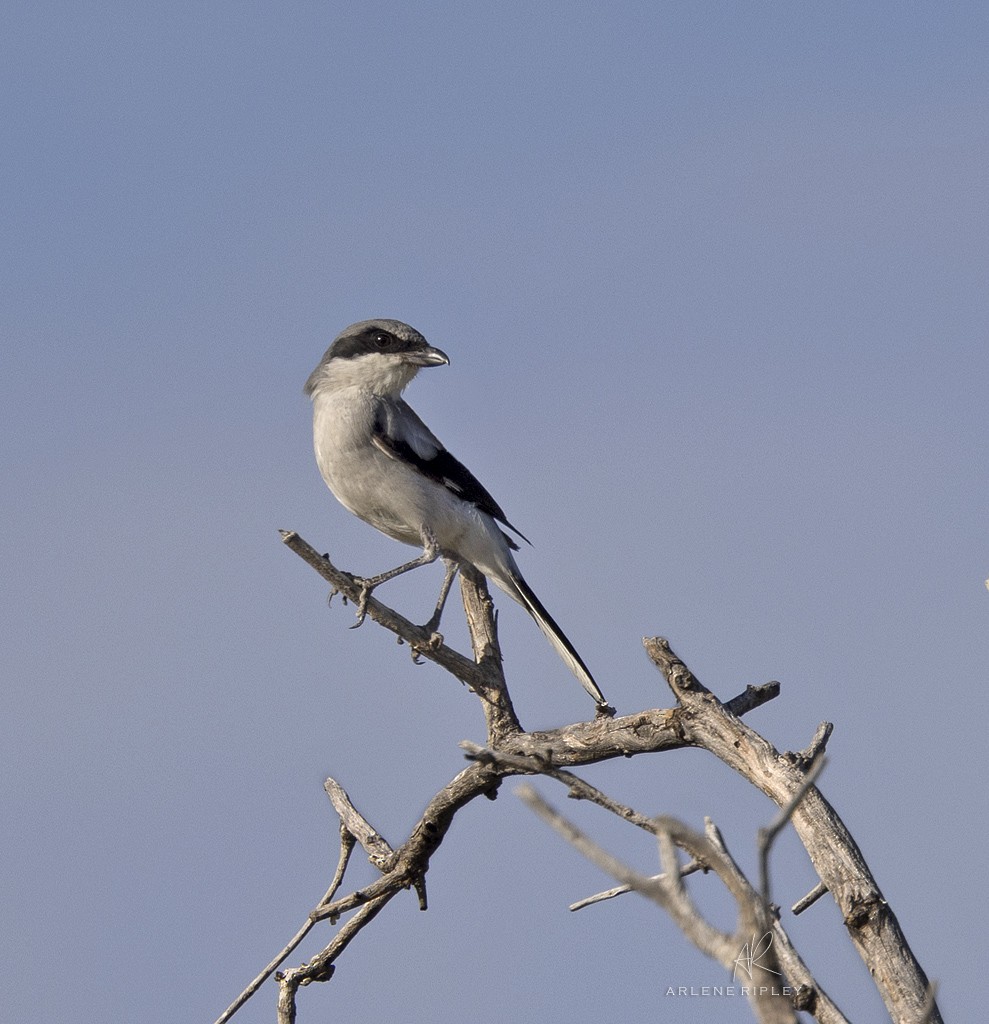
<point>752,697</point>
<point>321,966</point>
<point>462,668</point>
<point>378,851</point>
<point>808,993</point>
<point>621,890</point>
<point>767,835</point>
<point>817,745</point>
<point>810,899</point>
<point>770,1004</point>
<point>346,846</point>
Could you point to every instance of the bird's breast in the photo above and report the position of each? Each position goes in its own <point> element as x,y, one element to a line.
<point>393,496</point>
<point>370,484</point>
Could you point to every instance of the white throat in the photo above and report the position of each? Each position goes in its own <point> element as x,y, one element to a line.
<point>384,374</point>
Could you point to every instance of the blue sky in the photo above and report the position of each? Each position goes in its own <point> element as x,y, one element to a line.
<point>712,278</point>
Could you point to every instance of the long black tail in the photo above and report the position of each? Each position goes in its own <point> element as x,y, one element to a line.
<point>558,639</point>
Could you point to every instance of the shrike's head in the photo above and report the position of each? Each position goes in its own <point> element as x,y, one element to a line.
<point>380,355</point>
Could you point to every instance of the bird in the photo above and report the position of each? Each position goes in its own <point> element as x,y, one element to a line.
<point>383,464</point>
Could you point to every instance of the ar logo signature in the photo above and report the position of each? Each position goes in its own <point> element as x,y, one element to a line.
<point>751,956</point>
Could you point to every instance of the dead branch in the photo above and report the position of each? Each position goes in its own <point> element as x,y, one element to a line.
<point>754,907</point>
<point>767,835</point>
<point>770,1000</point>
<point>839,863</point>
<point>699,719</point>
<point>347,842</point>
<point>808,993</point>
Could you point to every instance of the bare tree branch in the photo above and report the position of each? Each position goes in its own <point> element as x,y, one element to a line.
<point>808,993</point>
<point>357,826</point>
<point>408,632</point>
<point>767,835</point>
<point>810,899</point>
<point>699,719</point>
<point>839,863</point>
<point>770,1002</point>
<point>347,842</point>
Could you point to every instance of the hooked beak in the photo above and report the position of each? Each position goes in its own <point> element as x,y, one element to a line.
<point>428,356</point>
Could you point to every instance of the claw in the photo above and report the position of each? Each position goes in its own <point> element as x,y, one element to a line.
<point>434,642</point>
<point>362,604</point>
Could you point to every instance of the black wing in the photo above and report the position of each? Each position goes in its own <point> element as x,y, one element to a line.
<point>400,434</point>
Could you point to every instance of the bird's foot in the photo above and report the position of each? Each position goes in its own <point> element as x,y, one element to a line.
<point>604,711</point>
<point>434,642</point>
<point>366,589</point>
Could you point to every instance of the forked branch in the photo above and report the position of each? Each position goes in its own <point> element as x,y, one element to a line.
<point>698,719</point>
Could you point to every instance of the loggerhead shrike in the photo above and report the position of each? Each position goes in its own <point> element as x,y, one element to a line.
<point>385,465</point>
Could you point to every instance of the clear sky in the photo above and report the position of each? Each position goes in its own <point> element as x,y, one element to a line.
<point>713,280</point>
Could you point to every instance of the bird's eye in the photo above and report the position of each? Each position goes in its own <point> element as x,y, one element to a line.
<point>383,340</point>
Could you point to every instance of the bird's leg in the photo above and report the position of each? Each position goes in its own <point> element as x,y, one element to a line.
<point>452,567</point>
<point>430,552</point>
